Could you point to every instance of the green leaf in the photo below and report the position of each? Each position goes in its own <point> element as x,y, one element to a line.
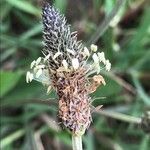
<point>24,6</point>
<point>4,11</point>
<point>8,81</point>
<point>64,137</point>
<point>21,94</point>
<point>140,90</point>
<point>145,143</point>
<point>24,93</point>
<point>109,6</point>
<point>11,138</point>
<point>135,48</point>
<point>141,32</point>
<point>7,53</point>
<point>61,5</point>
<point>31,32</point>
<point>89,140</point>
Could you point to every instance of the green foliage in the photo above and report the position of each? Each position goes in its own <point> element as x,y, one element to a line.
<point>24,6</point>
<point>8,81</point>
<point>61,5</point>
<point>127,45</point>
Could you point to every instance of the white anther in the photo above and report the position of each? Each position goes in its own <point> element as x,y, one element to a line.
<point>108,65</point>
<point>29,77</point>
<point>86,52</point>
<point>97,67</point>
<point>75,63</point>
<point>95,58</point>
<point>38,73</point>
<point>49,89</point>
<point>56,55</point>
<point>70,51</point>
<point>40,67</point>
<point>46,58</point>
<point>94,48</point>
<point>38,60</point>
<point>32,64</point>
<point>101,57</point>
<point>65,64</point>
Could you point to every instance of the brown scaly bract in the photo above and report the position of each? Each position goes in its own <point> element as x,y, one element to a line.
<point>74,102</point>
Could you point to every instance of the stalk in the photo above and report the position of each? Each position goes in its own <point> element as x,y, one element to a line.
<point>120,116</point>
<point>76,142</point>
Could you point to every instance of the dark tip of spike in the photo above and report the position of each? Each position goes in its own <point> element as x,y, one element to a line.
<point>44,3</point>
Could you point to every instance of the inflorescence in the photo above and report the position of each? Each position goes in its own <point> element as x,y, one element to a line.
<point>67,67</point>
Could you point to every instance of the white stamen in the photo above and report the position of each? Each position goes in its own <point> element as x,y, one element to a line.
<point>49,89</point>
<point>46,58</point>
<point>97,66</point>
<point>56,55</point>
<point>94,48</point>
<point>70,51</point>
<point>38,60</point>
<point>108,65</point>
<point>35,69</point>
<point>86,52</point>
<point>101,57</point>
<point>95,58</point>
<point>39,72</point>
<point>65,64</point>
<point>75,63</point>
<point>31,77</point>
<point>32,64</point>
<point>27,77</point>
<point>43,78</point>
<point>40,67</point>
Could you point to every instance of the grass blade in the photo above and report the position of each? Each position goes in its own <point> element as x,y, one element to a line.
<point>24,6</point>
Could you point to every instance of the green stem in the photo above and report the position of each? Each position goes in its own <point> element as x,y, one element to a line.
<point>11,138</point>
<point>105,24</point>
<point>120,116</point>
<point>76,142</point>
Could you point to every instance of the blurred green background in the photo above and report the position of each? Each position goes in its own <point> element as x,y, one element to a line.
<point>29,116</point>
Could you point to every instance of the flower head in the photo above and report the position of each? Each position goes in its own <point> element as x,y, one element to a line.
<point>65,67</point>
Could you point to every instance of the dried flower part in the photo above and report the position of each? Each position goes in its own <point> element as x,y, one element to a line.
<point>74,102</point>
<point>66,67</point>
<point>96,81</point>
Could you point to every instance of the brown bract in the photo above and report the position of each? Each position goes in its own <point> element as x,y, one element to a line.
<point>74,102</point>
<point>96,81</point>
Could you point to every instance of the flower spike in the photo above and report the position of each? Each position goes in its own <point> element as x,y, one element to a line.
<point>67,67</point>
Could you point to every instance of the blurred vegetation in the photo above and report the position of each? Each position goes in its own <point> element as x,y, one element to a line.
<point>29,118</point>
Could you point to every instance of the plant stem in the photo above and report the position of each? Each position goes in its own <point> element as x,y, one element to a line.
<point>76,142</point>
<point>105,24</point>
<point>120,116</point>
<point>11,138</point>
